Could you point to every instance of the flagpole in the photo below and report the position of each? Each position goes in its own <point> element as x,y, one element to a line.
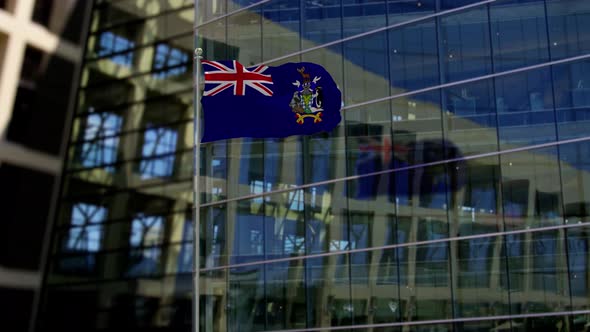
<point>196,189</point>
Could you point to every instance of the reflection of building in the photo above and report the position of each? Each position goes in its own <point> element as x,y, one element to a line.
<point>471,232</point>
<point>40,56</point>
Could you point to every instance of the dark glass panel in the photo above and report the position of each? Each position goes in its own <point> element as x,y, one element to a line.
<point>519,33</point>
<point>214,305</point>
<point>525,108</point>
<point>470,117</point>
<point>413,55</point>
<point>427,295</point>
<point>569,28</point>
<point>362,230</point>
<point>368,147</point>
<point>451,4</point>
<point>280,28</point>
<point>285,295</point>
<point>572,98</point>
<point>384,282</point>
<point>400,11</point>
<point>246,308</point>
<point>362,16</point>
<point>578,249</point>
<point>475,196</point>
<point>465,45</point>
<point>213,40</point>
<point>531,189</point>
<point>214,169</point>
<point>575,167</point>
<point>328,289</point>
<point>538,272</point>
<point>209,10</point>
<point>366,73</point>
<point>478,272</point>
<point>417,130</point>
<point>244,32</point>
<point>321,22</point>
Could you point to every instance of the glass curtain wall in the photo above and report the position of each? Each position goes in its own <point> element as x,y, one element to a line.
<point>452,197</point>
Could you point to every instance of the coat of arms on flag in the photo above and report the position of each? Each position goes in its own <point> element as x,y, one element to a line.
<point>264,101</point>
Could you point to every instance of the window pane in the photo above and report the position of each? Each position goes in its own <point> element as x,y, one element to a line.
<point>572,98</point>
<point>470,117</point>
<point>323,22</point>
<point>519,33</point>
<point>280,28</point>
<point>413,56</point>
<point>158,147</point>
<point>465,42</point>
<point>569,28</point>
<point>361,16</point>
<point>531,189</point>
<point>100,143</point>
<point>365,69</point>
<point>525,109</point>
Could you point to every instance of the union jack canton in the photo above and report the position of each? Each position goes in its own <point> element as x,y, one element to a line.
<point>219,77</point>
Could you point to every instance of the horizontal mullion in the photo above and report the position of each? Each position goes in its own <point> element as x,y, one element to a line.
<point>401,169</point>
<point>397,246</point>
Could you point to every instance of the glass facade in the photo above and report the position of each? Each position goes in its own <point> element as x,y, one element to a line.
<point>454,196</point>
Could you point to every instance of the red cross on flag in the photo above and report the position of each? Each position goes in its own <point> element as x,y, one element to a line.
<point>237,76</point>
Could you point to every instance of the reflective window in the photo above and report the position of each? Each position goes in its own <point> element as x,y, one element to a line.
<point>572,98</point>
<point>470,117</point>
<point>86,233</point>
<point>465,39</point>
<point>186,254</point>
<point>172,60</point>
<point>569,26</point>
<point>413,55</point>
<point>146,235</point>
<point>280,28</point>
<point>525,109</point>
<point>100,143</point>
<point>361,16</point>
<point>158,152</point>
<point>83,239</point>
<point>110,43</point>
<point>323,22</point>
<point>530,189</point>
<point>518,33</point>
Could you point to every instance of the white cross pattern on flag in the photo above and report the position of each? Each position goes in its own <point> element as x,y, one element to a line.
<point>237,77</point>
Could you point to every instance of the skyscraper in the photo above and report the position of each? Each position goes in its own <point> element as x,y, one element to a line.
<point>452,197</point>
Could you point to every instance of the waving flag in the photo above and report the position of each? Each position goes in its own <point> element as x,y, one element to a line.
<point>263,101</point>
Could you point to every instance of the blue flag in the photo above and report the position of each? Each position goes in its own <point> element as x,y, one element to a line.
<point>262,101</point>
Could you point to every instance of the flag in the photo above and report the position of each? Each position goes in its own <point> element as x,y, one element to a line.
<point>263,101</point>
